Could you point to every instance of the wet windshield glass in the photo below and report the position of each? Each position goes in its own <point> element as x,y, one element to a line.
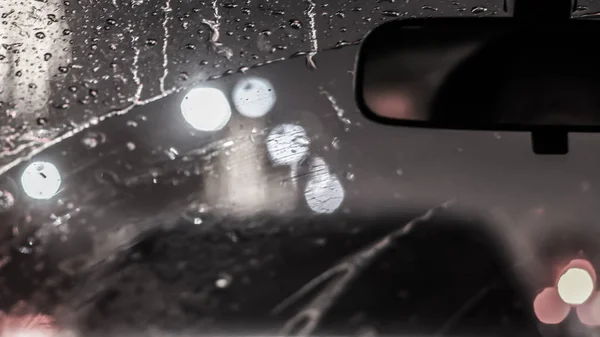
<point>185,168</point>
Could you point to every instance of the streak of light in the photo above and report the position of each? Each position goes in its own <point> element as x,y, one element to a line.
<point>314,43</point>
<point>341,113</point>
<point>167,10</point>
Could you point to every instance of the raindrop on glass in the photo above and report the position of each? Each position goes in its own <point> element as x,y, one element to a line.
<point>296,24</point>
<point>478,10</point>
<point>7,201</point>
<point>41,121</point>
<point>391,13</point>
<point>335,143</point>
<point>223,281</point>
<point>429,8</point>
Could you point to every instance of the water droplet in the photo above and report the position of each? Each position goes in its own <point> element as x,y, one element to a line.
<point>197,221</point>
<point>89,142</point>
<point>391,13</point>
<point>92,139</point>
<point>62,106</point>
<point>429,8</point>
<point>183,76</point>
<point>42,121</point>
<point>111,22</point>
<point>223,281</point>
<point>296,24</point>
<point>478,10</point>
<point>93,92</point>
<point>130,146</point>
<point>67,32</point>
<point>63,69</point>
<point>399,172</point>
<point>40,35</point>
<point>190,46</point>
<point>172,153</point>
<point>7,201</point>
<point>350,176</point>
<point>335,143</point>
<point>151,42</point>
<point>28,246</point>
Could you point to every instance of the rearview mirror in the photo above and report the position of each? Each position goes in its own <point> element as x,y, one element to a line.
<point>482,74</point>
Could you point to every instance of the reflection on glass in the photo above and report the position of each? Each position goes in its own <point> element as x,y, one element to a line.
<point>324,192</point>
<point>41,180</point>
<point>254,97</point>
<point>206,109</point>
<point>574,289</point>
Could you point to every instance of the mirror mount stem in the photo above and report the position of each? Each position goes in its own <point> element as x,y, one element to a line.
<point>538,10</point>
<point>554,140</point>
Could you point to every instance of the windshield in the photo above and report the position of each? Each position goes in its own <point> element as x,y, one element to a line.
<point>185,168</point>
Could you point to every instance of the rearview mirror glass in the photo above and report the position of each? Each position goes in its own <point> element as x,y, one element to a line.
<point>481,73</point>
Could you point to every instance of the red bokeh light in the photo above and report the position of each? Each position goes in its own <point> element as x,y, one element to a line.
<point>551,308</point>
<point>27,326</point>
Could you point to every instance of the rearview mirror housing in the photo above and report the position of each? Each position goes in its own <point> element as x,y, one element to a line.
<point>482,74</point>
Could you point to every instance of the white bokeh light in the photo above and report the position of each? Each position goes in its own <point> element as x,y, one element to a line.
<point>206,109</point>
<point>575,286</point>
<point>288,144</point>
<point>324,192</point>
<point>254,97</point>
<point>41,180</point>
